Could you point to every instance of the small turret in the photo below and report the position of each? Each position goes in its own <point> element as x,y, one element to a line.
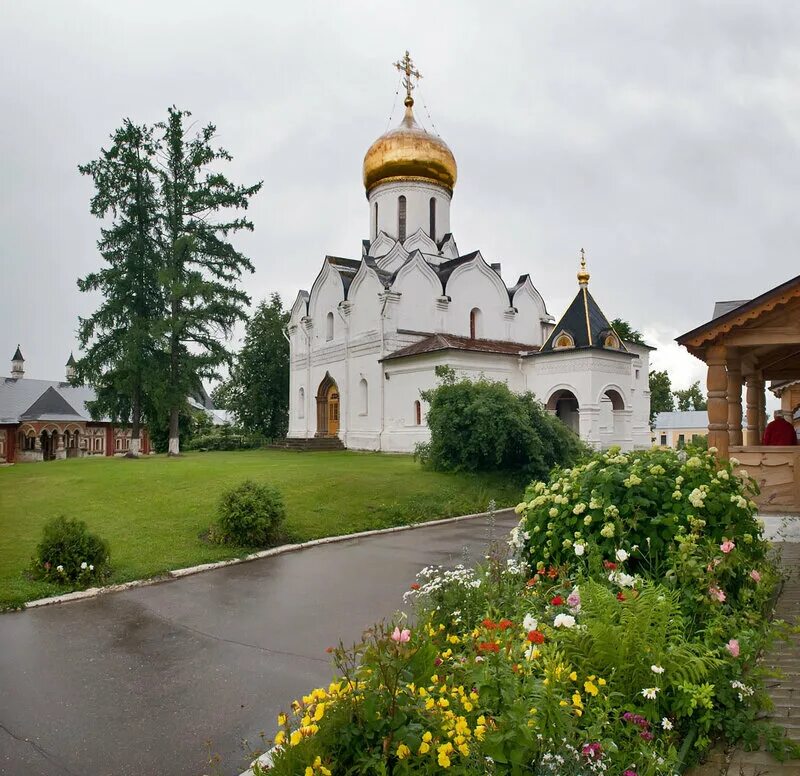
<point>71,368</point>
<point>17,365</point>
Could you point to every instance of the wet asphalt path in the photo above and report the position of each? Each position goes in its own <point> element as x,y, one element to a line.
<point>151,680</point>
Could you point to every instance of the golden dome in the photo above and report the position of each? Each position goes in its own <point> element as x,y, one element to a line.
<point>408,151</point>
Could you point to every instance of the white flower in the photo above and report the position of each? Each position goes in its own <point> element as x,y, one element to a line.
<point>666,724</point>
<point>579,508</point>
<point>91,567</point>
<point>657,669</point>
<point>734,461</point>
<point>622,556</point>
<point>607,530</point>
<point>696,498</point>
<point>650,693</point>
<point>84,566</point>
<point>564,621</point>
<point>530,623</point>
<point>579,549</point>
<point>59,567</point>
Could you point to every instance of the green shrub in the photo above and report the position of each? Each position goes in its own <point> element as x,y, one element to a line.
<point>251,514</point>
<point>69,553</point>
<point>484,426</point>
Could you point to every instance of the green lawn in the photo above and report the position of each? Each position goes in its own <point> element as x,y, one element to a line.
<point>153,511</point>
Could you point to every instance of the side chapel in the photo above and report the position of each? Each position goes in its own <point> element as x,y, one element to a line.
<point>369,335</point>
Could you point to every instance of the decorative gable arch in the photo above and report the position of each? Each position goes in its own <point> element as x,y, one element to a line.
<point>394,259</point>
<point>381,245</point>
<point>420,241</point>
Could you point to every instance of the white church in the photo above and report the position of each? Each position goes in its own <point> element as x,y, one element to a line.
<point>369,335</point>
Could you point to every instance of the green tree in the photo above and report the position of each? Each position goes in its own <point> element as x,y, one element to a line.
<point>202,269</point>
<point>258,389</point>
<point>484,426</point>
<point>627,332</point>
<point>661,399</point>
<point>119,339</point>
<point>691,398</point>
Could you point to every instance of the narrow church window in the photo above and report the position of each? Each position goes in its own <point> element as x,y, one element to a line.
<point>301,403</point>
<point>376,220</point>
<point>417,413</point>
<point>329,327</point>
<point>433,218</point>
<point>364,390</point>
<point>401,219</point>
<point>474,323</point>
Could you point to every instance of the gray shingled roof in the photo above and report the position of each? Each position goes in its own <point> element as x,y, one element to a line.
<point>19,395</point>
<point>51,405</point>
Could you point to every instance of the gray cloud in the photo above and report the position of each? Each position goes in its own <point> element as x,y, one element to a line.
<point>662,137</point>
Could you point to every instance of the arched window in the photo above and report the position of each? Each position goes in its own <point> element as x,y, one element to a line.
<point>432,206</point>
<point>376,219</point>
<point>563,340</point>
<point>474,323</point>
<point>363,389</point>
<point>301,403</point>
<point>401,218</point>
<point>417,413</point>
<point>329,326</point>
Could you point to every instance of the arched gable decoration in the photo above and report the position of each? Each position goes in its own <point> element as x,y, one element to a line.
<point>328,271</point>
<point>416,264</point>
<point>563,341</point>
<point>525,287</point>
<point>448,248</point>
<point>478,264</point>
<point>300,307</point>
<point>381,245</point>
<point>420,241</point>
<point>365,271</point>
<point>394,259</point>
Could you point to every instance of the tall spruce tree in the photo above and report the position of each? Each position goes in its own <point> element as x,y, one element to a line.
<point>258,389</point>
<point>201,269</point>
<point>119,339</point>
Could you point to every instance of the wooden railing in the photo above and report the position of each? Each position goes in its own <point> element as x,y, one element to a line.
<point>777,472</point>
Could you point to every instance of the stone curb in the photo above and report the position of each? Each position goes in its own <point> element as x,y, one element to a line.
<point>93,592</point>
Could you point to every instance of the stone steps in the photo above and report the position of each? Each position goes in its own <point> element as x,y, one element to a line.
<point>311,445</point>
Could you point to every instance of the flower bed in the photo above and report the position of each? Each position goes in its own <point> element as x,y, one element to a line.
<point>585,652</point>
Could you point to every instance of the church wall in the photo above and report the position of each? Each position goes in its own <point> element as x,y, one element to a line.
<point>527,326</point>
<point>418,195</point>
<point>366,309</point>
<point>472,287</point>
<point>416,309</point>
<point>325,297</point>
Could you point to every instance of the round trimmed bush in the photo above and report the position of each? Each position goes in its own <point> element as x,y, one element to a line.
<point>251,514</point>
<point>70,553</point>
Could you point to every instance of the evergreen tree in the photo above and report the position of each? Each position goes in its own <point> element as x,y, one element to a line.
<point>201,267</point>
<point>258,389</point>
<point>691,398</point>
<point>661,399</point>
<point>627,332</point>
<point>119,338</point>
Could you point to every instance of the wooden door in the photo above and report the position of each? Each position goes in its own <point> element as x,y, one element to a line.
<point>333,410</point>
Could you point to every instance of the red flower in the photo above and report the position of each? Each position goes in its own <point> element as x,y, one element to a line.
<point>505,624</point>
<point>609,565</point>
<point>488,624</point>
<point>557,601</point>
<point>488,646</point>
<point>536,637</point>
<point>533,581</point>
<point>552,572</point>
<point>620,596</point>
<point>414,586</point>
<point>329,650</point>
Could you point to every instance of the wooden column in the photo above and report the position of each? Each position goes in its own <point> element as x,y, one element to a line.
<point>762,408</point>
<point>717,384</point>
<point>734,400</point>
<point>752,437</point>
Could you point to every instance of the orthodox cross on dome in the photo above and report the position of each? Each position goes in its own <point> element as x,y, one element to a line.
<point>583,273</point>
<point>406,67</point>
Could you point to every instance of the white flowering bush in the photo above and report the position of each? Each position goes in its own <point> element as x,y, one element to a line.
<point>637,504</point>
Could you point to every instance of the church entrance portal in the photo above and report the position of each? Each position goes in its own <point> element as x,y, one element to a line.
<point>327,407</point>
<point>48,442</point>
<point>564,405</point>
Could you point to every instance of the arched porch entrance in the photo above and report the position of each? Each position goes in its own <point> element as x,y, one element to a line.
<point>327,407</point>
<point>613,413</point>
<point>564,405</point>
<point>49,443</point>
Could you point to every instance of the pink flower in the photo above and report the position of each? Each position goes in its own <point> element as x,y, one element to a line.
<point>401,636</point>
<point>574,599</point>
<point>755,576</point>
<point>733,647</point>
<point>727,546</point>
<point>715,592</point>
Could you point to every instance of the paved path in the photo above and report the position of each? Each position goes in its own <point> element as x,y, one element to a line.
<point>785,692</point>
<point>137,682</point>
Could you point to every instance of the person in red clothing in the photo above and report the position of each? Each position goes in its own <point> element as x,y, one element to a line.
<point>779,431</point>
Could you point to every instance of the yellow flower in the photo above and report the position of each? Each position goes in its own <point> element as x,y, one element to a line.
<point>601,682</point>
<point>427,736</point>
<point>454,639</point>
<point>480,732</point>
<point>280,737</point>
<point>317,761</point>
<point>424,748</point>
<point>443,760</point>
<point>306,720</point>
<point>295,738</point>
<point>429,704</point>
<point>281,719</point>
<point>320,712</point>
<point>576,700</point>
<point>473,696</point>
<point>422,692</point>
<point>324,771</point>
<point>402,752</point>
<point>444,703</point>
<point>574,676</point>
<point>468,706</point>
<point>309,771</point>
<point>464,749</point>
<point>481,720</point>
<point>591,688</point>
<point>563,703</point>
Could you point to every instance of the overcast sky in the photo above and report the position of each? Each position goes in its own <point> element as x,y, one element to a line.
<point>661,137</point>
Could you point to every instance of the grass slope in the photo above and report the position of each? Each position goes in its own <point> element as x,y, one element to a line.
<point>153,511</point>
